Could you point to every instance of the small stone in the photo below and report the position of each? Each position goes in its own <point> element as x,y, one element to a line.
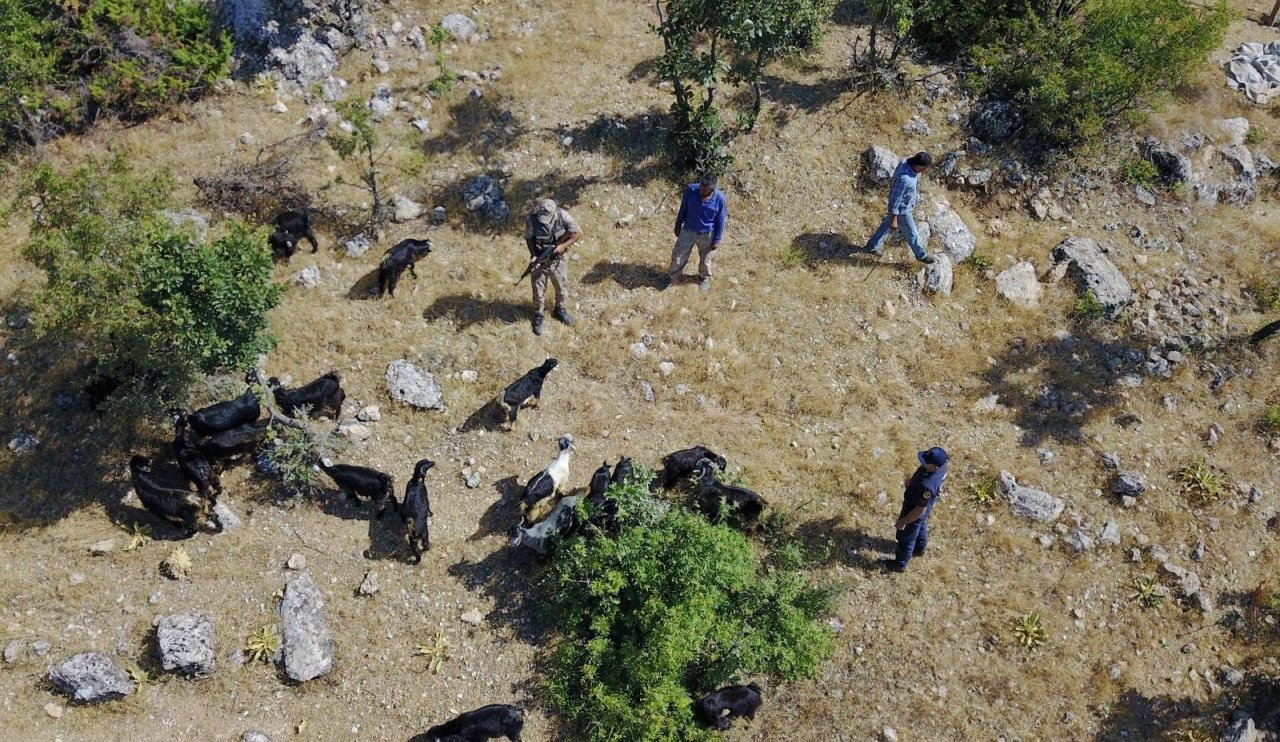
<point>468,375</point>
<point>888,310</point>
<point>357,246</point>
<point>23,442</point>
<point>307,644</point>
<point>473,617</point>
<point>987,404</point>
<point>1079,541</point>
<point>472,480</point>
<point>105,546</point>
<point>53,710</point>
<point>185,644</point>
<point>1129,501</point>
<point>1197,552</point>
<point>226,517</point>
<point>369,414</point>
<point>1188,648</point>
<point>639,350</point>
<point>889,733</point>
<point>666,368</point>
<point>417,388</point>
<point>438,214</point>
<point>420,124</point>
<point>1110,533</point>
<point>14,650</point>
<point>280,107</point>
<point>1114,672</point>
<point>41,647</point>
<point>296,562</point>
<point>369,585</point>
<point>624,221</point>
<point>405,209</point>
<point>356,431</point>
<point>91,677</point>
<point>1213,436</point>
<point>76,578</point>
<point>309,277</point>
<point>254,735</point>
<point>1129,483</point>
<point>1231,676</point>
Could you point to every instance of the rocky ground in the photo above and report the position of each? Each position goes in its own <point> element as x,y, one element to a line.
<point>818,373</point>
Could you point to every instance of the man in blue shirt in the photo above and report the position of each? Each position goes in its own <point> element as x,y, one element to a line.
<point>903,195</point>
<point>922,490</point>
<point>700,222</point>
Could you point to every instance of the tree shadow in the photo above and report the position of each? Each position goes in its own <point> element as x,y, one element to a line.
<point>466,311</point>
<point>365,288</point>
<point>628,275</point>
<point>1137,716</point>
<point>635,143</point>
<point>807,97</point>
<point>1056,386</point>
<point>520,197</point>
<point>506,577</point>
<point>481,126</point>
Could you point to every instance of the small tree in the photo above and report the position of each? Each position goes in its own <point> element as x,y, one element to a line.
<point>144,296</point>
<point>706,41</point>
<point>362,145</point>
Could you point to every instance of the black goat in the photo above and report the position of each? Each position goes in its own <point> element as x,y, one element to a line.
<point>291,227</point>
<point>681,464</point>
<point>485,723</point>
<point>623,471</point>
<point>322,395</point>
<point>403,255</point>
<point>234,442</point>
<point>741,503</point>
<point>606,516</point>
<point>179,506</point>
<point>226,415</point>
<point>360,481</point>
<point>195,467</point>
<point>525,391</point>
<point>717,710</point>
<point>415,510</point>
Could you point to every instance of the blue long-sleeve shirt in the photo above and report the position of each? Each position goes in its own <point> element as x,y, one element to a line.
<point>701,216</point>
<point>905,190</point>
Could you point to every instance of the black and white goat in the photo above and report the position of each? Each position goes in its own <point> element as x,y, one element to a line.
<point>525,391</point>
<point>485,723</point>
<point>540,536</point>
<point>739,503</point>
<point>360,481</point>
<point>684,463</point>
<point>550,481</point>
<point>415,511</point>
<point>177,505</point>
<point>229,444</point>
<point>226,415</point>
<point>195,467</point>
<point>320,396</point>
<point>396,260</point>
<point>719,709</point>
<point>291,227</point>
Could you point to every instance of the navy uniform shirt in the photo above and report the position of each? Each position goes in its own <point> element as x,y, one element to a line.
<point>923,489</point>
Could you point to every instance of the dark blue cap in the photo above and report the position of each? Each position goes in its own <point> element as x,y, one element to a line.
<point>935,456</point>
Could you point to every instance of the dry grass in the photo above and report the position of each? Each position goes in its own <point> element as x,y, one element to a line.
<point>786,365</point>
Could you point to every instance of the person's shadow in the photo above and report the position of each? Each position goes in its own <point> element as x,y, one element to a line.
<point>628,275</point>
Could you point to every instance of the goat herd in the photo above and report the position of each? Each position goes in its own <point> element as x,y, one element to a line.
<point>212,437</point>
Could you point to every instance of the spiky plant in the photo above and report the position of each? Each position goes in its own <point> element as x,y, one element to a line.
<point>175,565</point>
<point>983,493</point>
<point>139,534</point>
<point>1028,631</point>
<point>1146,591</point>
<point>1204,483</point>
<point>436,652</point>
<point>263,644</point>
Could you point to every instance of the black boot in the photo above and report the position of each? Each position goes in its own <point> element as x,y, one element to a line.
<point>563,316</point>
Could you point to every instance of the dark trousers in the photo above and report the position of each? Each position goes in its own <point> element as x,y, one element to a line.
<point>912,540</point>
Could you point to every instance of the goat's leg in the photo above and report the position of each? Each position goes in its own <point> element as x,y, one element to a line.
<point>311,237</point>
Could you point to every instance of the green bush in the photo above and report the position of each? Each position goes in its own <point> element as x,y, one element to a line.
<point>1271,419</point>
<point>65,63</point>
<point>1072,76</point>
<point>1087,307</point>
<point>1140,171</point>
<point>142,295</point>
<point>669,608</point>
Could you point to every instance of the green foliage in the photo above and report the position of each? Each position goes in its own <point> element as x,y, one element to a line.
<point>443,83</point>
<point>1087,307</point>
<point>1267,291</point>
<point>362,145</point>
<point>142,295</point>
<point>1202,482</point>
<point>1255,135</point>
<point>1146,592</point>
<point>62,64</point>
<point>1073,75</point>
<point>668,608</point>
<point>978,261</point>
<point>1140,171</point>
<point>1271,419</point>
<point>983,493</point>
<point>291,452</point>
<point>707,42</point>
<point>1028,632</point>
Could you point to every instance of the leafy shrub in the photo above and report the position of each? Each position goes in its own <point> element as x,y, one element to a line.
<point>978,261</point>
<point>442,85</point>
<point>669,608</point>
<point>1140,171</point>
<point>1267,291</point>
<point>64,63</point>
<point>1087,307</point>
<point>142,294</point>
<point>1072,75</point>
<point>1271,419</point>
<point>1202,482</point>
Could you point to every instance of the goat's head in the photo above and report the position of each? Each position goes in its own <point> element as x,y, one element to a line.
<point>548,365</point>
<point>565,442</point>
<point>422,467</point>
<point>140,463</point>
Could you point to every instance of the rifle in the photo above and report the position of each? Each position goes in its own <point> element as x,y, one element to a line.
<point>543,258</point>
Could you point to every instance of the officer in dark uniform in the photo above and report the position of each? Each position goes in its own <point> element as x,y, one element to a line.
<point>922,491</point>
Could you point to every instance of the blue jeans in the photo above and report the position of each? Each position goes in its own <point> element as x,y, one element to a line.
<point>907,226</point>
<point>912,539</point>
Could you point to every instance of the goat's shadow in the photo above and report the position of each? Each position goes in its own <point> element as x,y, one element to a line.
<point>365,288</point>
<point>488,418</point>
<point>628,275</point>
<point>466,311</point>
<point>386,540</point>
<point>505,576</point>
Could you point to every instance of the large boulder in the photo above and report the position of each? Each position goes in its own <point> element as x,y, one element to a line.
<point>417,388</point>
<point>91,677</point>
<point>996,121</point>
<point>381,104</point>
<point>307,62</point>
<point>461,27</point>
<point>185,644</point>
<point>308,643</point>
<point>941,222</point>
<point>1173,167</point>
<point>1037,505</point>
<point>1020,286</point>
<point>406,209</point>
<point>879,164</point>
<point>1085,259</point>
<point>937,277</point>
